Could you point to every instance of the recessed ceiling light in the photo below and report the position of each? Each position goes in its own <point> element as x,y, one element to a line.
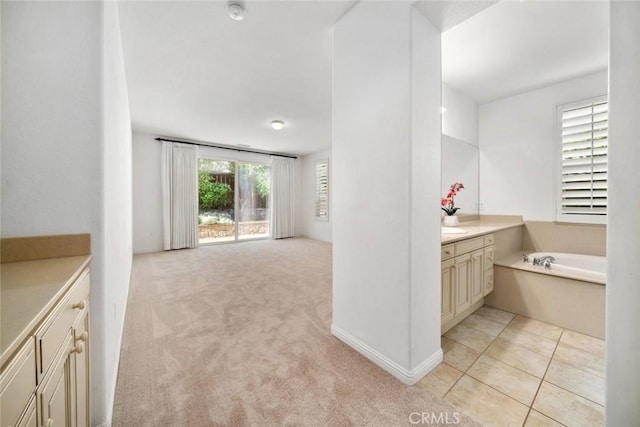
<point>236,10</point>
<point>277,124</point>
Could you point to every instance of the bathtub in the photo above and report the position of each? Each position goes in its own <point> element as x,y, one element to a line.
<point>571,294</point>
<point>585,267</point>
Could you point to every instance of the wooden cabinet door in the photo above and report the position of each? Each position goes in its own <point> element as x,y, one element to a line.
<point>477,275</point>
<point>488,258</point>
<point>462,282</point>
<point>81,365</point>
<point>30,418</point>
<point>488,281</point>
<point>448,290</point>
<point>55,394</point>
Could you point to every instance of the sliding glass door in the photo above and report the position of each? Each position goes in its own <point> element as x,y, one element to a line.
<point>216,200</point>
<point>233,200</point>
<point>254,187</point>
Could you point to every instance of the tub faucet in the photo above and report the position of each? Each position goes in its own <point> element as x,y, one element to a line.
<point>544,261</point>
<point>525,257</point>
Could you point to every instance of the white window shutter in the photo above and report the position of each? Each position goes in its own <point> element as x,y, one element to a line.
<point>584,142</point>
<point>322,190</point>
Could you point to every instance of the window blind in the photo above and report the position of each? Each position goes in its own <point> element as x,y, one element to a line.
<point>584,158</point>
<point>322,190</point>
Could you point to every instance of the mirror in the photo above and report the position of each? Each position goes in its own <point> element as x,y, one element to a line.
<point>460,163</point>
<point>460,152</point>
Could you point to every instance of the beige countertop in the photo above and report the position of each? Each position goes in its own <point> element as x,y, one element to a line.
<point>28,290</point>
<point>479,228</point>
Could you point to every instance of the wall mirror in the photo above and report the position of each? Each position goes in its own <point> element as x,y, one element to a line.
<point>460,163</point>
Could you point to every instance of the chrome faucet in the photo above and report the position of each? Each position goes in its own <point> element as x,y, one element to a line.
<point>544,261</point>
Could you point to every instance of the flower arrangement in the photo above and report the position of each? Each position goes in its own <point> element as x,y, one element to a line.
<point>447,204</point>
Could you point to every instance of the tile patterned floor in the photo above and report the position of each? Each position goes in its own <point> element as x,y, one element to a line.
<point>508,370</point>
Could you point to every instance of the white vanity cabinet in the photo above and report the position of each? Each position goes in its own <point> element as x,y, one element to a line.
<point>46,381</point>
<point>63,363</point>
<point>467,276</point>
<point>17,384</point>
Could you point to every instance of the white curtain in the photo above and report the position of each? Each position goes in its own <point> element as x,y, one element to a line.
<point>282,215</point>
<point>179,195</point>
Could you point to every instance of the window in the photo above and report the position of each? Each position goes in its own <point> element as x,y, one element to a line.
<point>582,190</point>
<point>322,190</point>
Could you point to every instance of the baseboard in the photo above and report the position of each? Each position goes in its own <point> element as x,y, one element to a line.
<point>404,375</point>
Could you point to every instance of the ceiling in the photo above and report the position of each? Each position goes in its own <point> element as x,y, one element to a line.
<point>446,14</point>
<point>517,46</point>
<point>194,73</point>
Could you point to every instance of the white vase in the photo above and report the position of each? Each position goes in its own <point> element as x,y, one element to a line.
<point>450,221</point>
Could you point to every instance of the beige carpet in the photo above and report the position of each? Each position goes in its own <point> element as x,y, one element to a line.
<point>239,334</point>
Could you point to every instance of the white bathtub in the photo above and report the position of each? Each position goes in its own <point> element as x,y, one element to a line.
<point>588,267</point>
<point>570,295</point>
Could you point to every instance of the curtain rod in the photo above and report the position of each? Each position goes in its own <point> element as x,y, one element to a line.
<point>204,144</point>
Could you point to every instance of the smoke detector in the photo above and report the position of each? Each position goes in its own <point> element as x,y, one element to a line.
<point>236,10</point>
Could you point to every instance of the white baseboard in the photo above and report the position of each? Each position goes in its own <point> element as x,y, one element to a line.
<point>404,375</point>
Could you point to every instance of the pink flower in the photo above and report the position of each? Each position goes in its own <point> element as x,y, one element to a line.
<point>447,203</point>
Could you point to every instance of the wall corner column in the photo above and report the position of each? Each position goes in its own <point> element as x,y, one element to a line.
<point>623,218</point>
<point>386,157</point>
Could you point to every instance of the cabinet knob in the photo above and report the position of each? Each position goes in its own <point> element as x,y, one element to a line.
<point>78,348</point>
<point>83,336</point>
<point>80,305</point>
<point>447,253</point>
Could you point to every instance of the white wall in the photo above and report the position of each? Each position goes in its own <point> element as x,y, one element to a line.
<point>65,153</point>
<point>460,121</point>
<point>424,208</point>
<point>623,227</point>
<point>147,190</point>
<point>386,174</point>
<point>51,118</point>
<point>518,148</point>
<point>109,312</point>
<point>147,194</point>
<point>311,227</point>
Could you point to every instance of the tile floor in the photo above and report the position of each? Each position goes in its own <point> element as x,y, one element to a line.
<point>508,370</point>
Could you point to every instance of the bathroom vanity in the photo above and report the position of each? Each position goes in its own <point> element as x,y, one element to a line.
<point>467,268</point>
<point>44,379</point>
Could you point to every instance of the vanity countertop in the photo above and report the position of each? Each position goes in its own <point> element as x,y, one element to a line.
<point>28,290</point>
<point>481,227</point>
<point>41,271</point>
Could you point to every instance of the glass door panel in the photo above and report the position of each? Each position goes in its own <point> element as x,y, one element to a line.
<point>216,200</point>
<point>254,188</point>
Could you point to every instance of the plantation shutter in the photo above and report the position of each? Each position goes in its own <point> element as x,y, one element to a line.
<point>322,190</point>
<point>584,158</point>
